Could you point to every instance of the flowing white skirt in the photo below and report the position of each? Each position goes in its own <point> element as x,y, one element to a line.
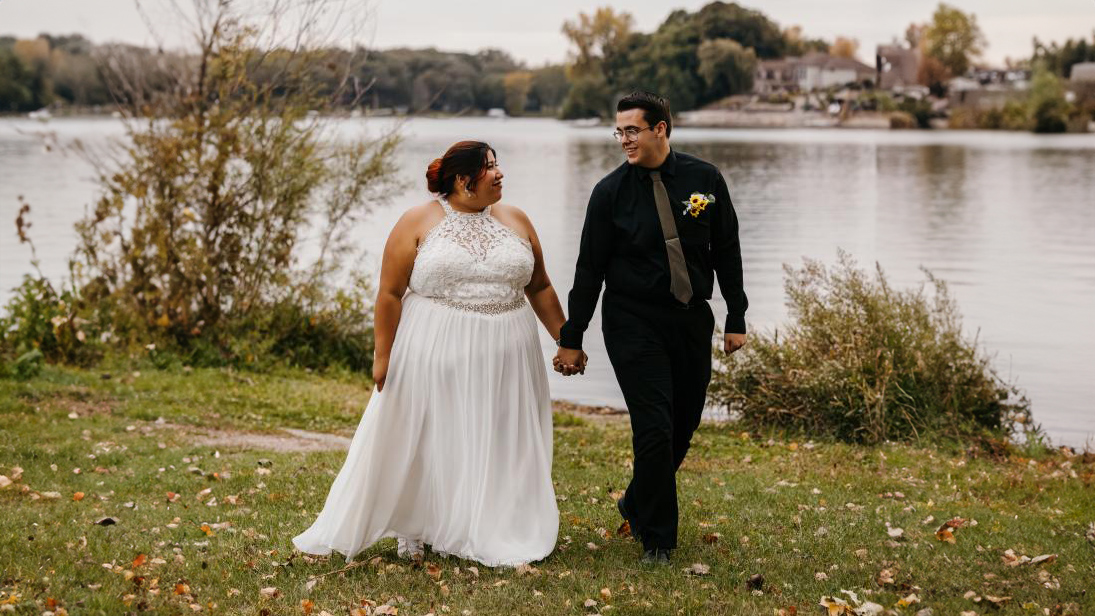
<point>456,451</point>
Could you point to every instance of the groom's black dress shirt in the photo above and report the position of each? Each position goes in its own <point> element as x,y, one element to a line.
<point>623,244</point>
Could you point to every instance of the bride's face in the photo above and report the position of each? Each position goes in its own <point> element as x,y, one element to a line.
<point>489,185</point>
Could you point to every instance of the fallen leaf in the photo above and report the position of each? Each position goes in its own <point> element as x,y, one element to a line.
<point>107,521</point>
<point>79,496</point>
<point>836,606</point>
<point>182,589</point>
<point>527,569</point>
<point>711,538</point>
<point>140,560</point>
<point>386,610</point>
<point>869,609</point>
<point>433,571</point>
<point>207,530</point>
<point>606,594</point>
<point>698,569</point>
<point>885,577</point>
<point>755,582</point>
<point>909,600</point>
<point>1044,558</point>
<point>997,601</point>
<point>4,481</point>
<point>895,533</point>
<point>821,576</point>
<point>270,592</point>
<point>307,605</point>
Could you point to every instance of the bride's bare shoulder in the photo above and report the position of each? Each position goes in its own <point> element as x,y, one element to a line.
<point>512,216</point>
<point>419,218</point>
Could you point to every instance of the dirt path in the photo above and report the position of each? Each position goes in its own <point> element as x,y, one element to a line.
<point>295,440</point>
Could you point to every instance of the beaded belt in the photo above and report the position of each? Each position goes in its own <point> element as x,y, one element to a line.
<point>486,308</point>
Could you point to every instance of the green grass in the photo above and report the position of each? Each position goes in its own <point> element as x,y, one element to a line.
<point>768,501</point>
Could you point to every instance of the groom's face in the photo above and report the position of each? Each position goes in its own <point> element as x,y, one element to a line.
<point>644,148</point>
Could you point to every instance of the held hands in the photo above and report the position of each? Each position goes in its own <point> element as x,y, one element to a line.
<point>569,362</point>
<point>733,342</point>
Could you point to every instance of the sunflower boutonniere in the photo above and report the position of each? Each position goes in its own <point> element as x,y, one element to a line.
<point>697,203</point>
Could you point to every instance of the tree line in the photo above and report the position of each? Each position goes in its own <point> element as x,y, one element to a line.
<point>700,57</point>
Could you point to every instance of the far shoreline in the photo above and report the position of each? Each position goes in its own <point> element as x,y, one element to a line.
<point>698,118</point>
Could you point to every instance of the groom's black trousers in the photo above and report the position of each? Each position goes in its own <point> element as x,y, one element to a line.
<point>661,354</point>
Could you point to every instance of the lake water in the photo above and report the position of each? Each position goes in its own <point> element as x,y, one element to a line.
<point>1008,219</point>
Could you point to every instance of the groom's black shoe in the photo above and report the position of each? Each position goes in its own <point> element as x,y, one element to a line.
<point>627,519</point>
<point>656,556</point>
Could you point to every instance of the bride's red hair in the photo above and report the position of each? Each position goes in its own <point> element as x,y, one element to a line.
<point>466,158</point>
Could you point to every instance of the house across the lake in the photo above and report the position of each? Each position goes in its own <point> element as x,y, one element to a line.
<point>814,71</point>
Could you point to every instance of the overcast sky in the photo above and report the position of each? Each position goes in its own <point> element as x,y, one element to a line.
<point>530,30</point>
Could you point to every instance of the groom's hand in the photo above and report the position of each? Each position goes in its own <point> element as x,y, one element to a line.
<point>570,361</point>
<point>733,342</point>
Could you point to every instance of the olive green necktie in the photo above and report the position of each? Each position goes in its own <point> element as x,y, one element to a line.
<point>678,269</point>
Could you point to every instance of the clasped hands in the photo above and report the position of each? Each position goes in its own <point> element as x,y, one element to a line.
<point>569,362</point>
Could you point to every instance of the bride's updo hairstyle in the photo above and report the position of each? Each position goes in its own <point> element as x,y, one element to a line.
<point>466,158</point>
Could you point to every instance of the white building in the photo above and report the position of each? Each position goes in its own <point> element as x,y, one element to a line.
<point>814,71</point>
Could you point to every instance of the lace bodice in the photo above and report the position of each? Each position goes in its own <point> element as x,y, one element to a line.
<point>472,261</point>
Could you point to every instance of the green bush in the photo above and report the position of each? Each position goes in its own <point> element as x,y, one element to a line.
<point>312,327</point>
<point>863,362</point>
<point>57,326</point>
<point>195,247</point>
<point>1048,107</point>
<point>902,120</point>
<point>921,110</point>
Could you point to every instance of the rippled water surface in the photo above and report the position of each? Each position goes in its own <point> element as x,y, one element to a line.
<point>1007,219</point>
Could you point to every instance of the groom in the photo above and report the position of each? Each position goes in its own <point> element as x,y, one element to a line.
<point>658,229</point>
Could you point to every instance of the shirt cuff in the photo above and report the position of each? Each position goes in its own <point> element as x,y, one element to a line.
<point>735,324</point>
<point>570,337</point>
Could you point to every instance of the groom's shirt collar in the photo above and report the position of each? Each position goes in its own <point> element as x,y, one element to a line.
<point>668,166</point>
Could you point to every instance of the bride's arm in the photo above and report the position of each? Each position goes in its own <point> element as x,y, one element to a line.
<point>541,295</point>
<point>395,273</point>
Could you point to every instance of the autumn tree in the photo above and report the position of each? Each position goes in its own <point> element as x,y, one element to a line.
<point>954,39</point>
<point>595,38</point>
<point>796,43</point>
<point>517,85</point>
<point>844,47</point>
<point>197,240</point>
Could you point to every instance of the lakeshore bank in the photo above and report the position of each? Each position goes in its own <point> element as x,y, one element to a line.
<point>130,489</point>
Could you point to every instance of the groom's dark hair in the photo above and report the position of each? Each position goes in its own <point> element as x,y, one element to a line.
<point>655,108</point>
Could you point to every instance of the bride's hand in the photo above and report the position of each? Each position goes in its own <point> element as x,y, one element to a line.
<point>380,372</point>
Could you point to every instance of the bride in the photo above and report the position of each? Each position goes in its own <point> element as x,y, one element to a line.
<point>454,448</point>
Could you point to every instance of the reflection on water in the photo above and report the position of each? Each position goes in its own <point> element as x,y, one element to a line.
<point>1007,219</point>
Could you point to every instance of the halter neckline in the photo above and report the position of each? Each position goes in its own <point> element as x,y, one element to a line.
<point>445,205</point>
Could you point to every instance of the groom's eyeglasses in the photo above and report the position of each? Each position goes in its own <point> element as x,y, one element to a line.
<point>629,134</point>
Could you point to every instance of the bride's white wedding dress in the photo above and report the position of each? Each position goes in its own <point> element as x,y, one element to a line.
<point>456,451</point>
